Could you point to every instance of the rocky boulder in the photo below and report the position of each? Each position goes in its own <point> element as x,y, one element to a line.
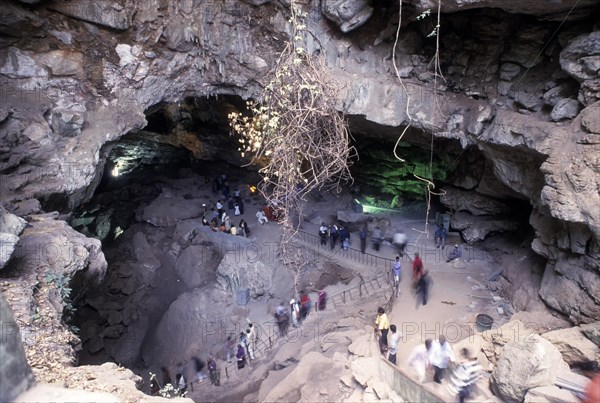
<point>347,14</point>
<point>14,370</point>
<point>565,286</point>
<point>243,267</point>
<point>197,264</point>
<point>49,246</point>
<point>525,365</point>
<point>11,227</point>
<point>167,210</point>
<point>474,203</point>
<point>109,13</point>
<point>573,345</point>
<point>183,330</point>
<point>565,109</point>
<point>549,394</point>
<point>592,332</point>
<point>307,372</point>
<point>477,228</point>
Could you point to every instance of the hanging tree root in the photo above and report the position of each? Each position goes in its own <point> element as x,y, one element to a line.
<point>297,133</point>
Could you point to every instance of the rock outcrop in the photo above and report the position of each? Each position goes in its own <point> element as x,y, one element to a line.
<point>573,345</point>
<point>525,365</point>
<point>12,226</point>
<point>14,369</point>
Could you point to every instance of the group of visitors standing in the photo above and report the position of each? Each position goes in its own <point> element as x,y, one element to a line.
<point>245,347</point>
<point>181,383</point>
<point>332,233</point>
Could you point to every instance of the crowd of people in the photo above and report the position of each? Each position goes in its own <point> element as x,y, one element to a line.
<point>219,218</point>
<point>298,311</point>
<point>436,355</point>
<point>336,232</point>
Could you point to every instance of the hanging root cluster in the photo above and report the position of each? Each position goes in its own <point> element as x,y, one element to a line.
<point>296,134</point>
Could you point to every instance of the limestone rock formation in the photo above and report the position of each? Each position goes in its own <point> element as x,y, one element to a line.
<point>348,14</point>
<point>477,228</point>
<point>592,332</point>
<point>12,226</point>
<point>573,345</point>
<point>549,394</point>
<point>14,369</point>
<point>474,203</point>
<point>525,365</point>
<point>182,330</point>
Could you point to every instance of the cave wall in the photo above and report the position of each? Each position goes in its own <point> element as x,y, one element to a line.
<point>77,75</point>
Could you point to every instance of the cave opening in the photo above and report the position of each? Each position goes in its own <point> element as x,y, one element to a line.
<point>159,179</point>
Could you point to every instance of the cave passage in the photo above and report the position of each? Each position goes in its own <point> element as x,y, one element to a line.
<point>163,174</point>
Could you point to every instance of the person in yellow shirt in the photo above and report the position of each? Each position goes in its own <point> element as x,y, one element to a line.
<point>383,325</point>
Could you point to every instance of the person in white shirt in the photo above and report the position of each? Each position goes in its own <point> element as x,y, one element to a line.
<point>465,375</point>
<point>440,356</point>
<point>393,344</point>
<point>419,359</point>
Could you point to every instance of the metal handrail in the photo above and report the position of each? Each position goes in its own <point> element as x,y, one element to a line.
<point>350,253</point>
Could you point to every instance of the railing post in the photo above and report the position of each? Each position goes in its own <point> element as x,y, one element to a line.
<point>226,373</point>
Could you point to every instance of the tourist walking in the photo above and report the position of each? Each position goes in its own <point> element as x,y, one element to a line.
<point>399,240</point>
<point>294,312</point>
<point>241,356</point>
<point>282,318</point>
<point>363,234</point>
<point>417,272</point>
<point>333,235</point>
<point>344,237</point>
<point>228,347</point>
<point>419,359</point>
<point>251,338</point>
<point>244,229</point>
<point>231,206</point>
<point>199,365</point>
<point>305,304</point>
<point>393,344</point>
<point>440,236</point>
<point>323,234</point>
<point>382,326</point>
<point>440,356</point>
<point>212,370</point>
<point>465,375</point>
<point>220,210</point>
<point>376,238</point>
<point>322,300</point>
<point>423,288</point>
<point>396,270</point>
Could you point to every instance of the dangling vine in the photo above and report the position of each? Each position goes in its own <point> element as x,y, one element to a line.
<point>296,131</point>
<point>437,72</point>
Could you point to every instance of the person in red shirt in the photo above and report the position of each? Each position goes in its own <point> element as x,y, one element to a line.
<point>304,304</point>
<point>417,269</point>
